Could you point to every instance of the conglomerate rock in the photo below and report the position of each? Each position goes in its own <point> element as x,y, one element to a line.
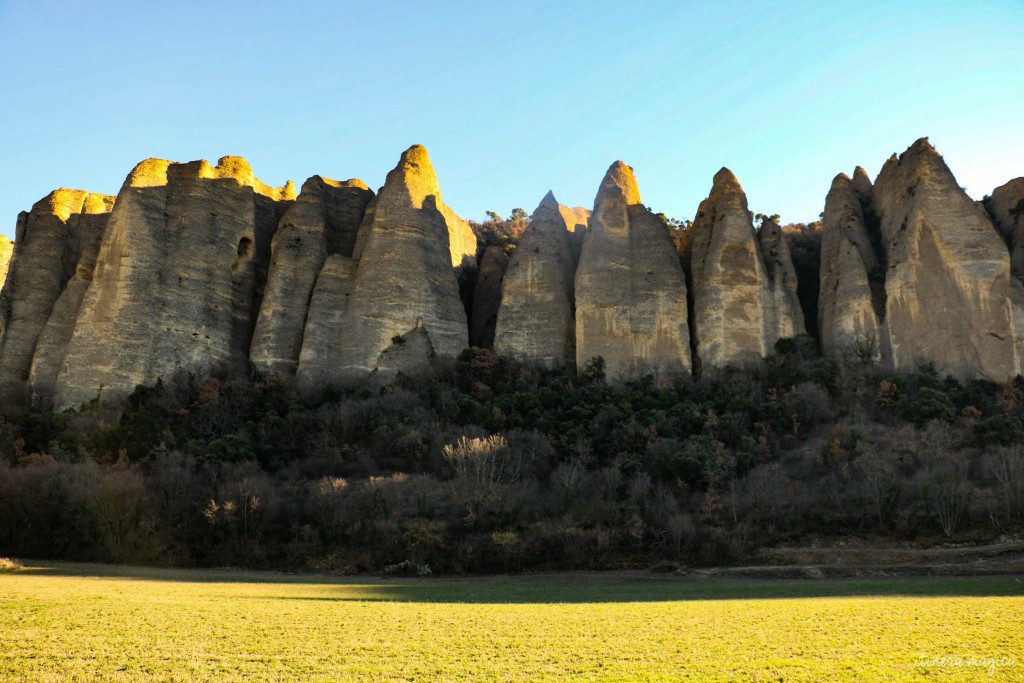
<point>487,297</point>
<point>404,280</point>
<point>950,298</point>
<point>324,220</point>
<point>178,278</point>
<point>848,305</point>
<point>51,239</point>
<point>536,320</point>
<point>741,306</point>
<point>1006,205</point>
<point>630,289</point>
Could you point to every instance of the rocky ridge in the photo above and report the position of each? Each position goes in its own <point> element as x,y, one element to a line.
<point>195,266</point>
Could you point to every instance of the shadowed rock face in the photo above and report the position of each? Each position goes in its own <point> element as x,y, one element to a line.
<point>59,231</point>
<point>741,305</point>
<point>327,320</point>
<point>630,289</point>
<point>848,315</point>
<point>404,280</point>
<point>178,277</point>
<point>1006,206</point>
<point>324,220</point>
<point>536,321</point>
<point>487,297</point>
<point>949,299</point>
<point>784,311</point>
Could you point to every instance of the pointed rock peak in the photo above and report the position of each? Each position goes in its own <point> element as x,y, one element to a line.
<point>841,180</point>
<point>861,181</point>
<point>549,203</point>
<point>417,154</point>
<point>148,173</point>
<point>620,181</point>
<point>413,178</point>
<point>726,180</point>
<point>289,192</point>
<point>921,145</point>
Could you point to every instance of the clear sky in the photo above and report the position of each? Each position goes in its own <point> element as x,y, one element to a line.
<point>512,98</point>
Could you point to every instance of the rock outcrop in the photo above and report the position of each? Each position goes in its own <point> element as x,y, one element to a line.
<point>195,267</point>
<point>630,289</point>
<point>784,303</point>
<point>6,251</point>
<point>852,294</point>
<point>61,229</point>
<point>487,297</point>
<point>404,282</point>
<point>741,305</point>
<point>576,220</point>
<point>949,299</point>
<point>178,278</point>
<point>1006,206</point>
<point>536,320</point>
<point>324,220</point>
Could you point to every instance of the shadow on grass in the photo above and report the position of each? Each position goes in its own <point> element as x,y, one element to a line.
<point>577,588</point>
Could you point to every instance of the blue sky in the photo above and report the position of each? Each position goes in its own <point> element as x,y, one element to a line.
<point>512,99</point>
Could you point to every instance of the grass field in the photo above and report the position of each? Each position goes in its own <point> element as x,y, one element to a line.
<point>82,622</point>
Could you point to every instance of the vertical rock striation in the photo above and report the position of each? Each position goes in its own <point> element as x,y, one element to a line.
<point>1006,206</point>
<point>178,277</point>
<point>742,302</point>
<point>51,239</point>
<point>785,316</point>
<point>404,282</point>
<point>536,320</point>
<point>630,289</point>
<point>324,220</point>
<point>487,297</point>
<point>852,296</point>
<point>949,299</point>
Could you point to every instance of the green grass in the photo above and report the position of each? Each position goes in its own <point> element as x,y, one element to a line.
<point>80,622</point>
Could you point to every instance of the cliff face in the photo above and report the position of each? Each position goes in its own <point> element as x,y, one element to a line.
<point>178,277</point>
<point>630,289</point>
<point>194,267</point>
<point>914,271</point>
<point>487,297</point>
<point>743,302</point>
<point>60,230</point>
<point>1006,206</point>
<point>947,283</point>
<point>536,320</point>
<point>404,280</point>
<point>324,220</point>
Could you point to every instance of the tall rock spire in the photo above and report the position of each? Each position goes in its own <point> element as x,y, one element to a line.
<point>850,303</point>
<point>323,220</point>
<point>630,289</point>
<point>61,229</point>
<point>535,320</point>
<point>741,306</point>
<point>403,281</point>
<point>950,299</point>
